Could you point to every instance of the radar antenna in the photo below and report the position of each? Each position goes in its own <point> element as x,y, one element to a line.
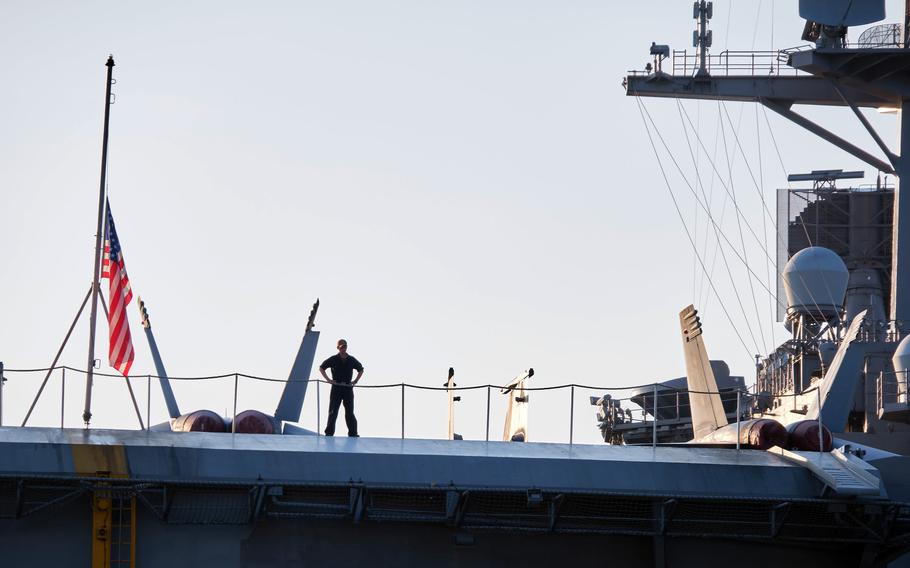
<point>702,38</point>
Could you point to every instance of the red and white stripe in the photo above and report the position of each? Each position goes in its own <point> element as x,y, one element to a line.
<point>121,343</point>
<point>106,270</point>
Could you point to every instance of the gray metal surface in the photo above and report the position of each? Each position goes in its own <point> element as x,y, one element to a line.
<point>794,90</point>
<point>207,457</point>
<point>839,385</point>
<point>260,500</point>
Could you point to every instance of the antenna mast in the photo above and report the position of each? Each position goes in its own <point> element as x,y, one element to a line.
<point>87,413</point>
<point>906,22</point>
<point>702,38</point>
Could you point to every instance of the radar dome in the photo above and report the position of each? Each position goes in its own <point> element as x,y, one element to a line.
<point>901,361</point>
<point>842,12</point>
<point>815,280</point>
<point>901,357</point>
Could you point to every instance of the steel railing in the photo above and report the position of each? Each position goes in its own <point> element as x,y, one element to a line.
<point>891,388</point>
<point>655,405</point>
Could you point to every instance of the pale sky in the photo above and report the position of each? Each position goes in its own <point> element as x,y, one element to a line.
<point>461,184</point>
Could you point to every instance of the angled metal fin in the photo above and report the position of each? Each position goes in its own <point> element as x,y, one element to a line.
<point>839,385</point>
<point>291,402</point>
<point>516,425</point>
<point>169,399</point>
<point>450,384</point>
<point>707,409</point>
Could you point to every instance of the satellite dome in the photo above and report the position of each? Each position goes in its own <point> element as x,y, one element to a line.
<point>901,358</point>
<point>842,12</point>
<point>815,280</point>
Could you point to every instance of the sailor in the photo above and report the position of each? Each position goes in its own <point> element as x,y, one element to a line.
<point>342,366</point>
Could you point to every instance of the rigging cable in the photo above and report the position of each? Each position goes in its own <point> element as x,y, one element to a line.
<point>704,208</point>
<point>764,205</point>
<point>716,173</point>
<point>780,160</point>
<point>772,25</point>
<point>695,271</point>
<point>780,302</point>
<point>723,255</point>
<point>802,221</point>
<point>726,189</point>
<point>757,19</point>
<point>742,239</point>
<point>723,212</point>
<point>755,183</point>
<point>642,110</point>
<point>708,212</point>
<point>761,181</point>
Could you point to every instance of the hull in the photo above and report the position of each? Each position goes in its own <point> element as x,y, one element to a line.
<point>153,498</point>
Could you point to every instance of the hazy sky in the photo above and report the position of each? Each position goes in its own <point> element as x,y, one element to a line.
<point>461,184</point>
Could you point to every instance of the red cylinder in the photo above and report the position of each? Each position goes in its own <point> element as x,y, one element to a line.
<point>763,433</point>
<point>803,435</point>
<point>253,422</point>
<point>199,421</point>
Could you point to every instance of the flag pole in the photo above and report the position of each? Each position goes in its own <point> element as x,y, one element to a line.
<point>87,413</point>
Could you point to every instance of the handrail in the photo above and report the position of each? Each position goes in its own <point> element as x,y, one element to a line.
<point>611,411</point>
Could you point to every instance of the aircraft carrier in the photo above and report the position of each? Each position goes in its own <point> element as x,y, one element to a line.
<point>237,496</point>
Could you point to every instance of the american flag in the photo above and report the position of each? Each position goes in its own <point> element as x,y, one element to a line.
<point>114,269</point>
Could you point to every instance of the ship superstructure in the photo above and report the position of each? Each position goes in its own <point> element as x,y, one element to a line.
<point>859,225</point>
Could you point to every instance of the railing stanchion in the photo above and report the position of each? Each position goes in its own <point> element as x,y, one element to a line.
<point>62,394</point>
<point>677,405</point>
<point>818,398</point>
<point>234,419</point>
<point>318,410</point>
<point>654,426</point>
<point>148,400</point>
<point>738,417</point>
<point>402,411</point>
<point>488,413</point>
<point>571,414</point>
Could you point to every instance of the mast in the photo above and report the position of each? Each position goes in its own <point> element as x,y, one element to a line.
<point>87,413</point>
<point>833,74</point>
<point>906,23</point>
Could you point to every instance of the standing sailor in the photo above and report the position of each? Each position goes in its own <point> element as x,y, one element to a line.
<point>342,366</point>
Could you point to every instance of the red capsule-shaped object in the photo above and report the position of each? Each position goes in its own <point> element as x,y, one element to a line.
<point>253,422</point>
<point>803,435</point>
<point>199,421</point>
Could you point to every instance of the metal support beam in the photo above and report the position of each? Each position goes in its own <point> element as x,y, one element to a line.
<point>553,507</point>
<point>456,503</point>
<point>778,515</point>
<point>129,386</point>
<point>785,111</point>
<point>453,499</point>
<point>862,118</point>
<point>260,496</point>
<point>900,241</point>
<point>356,504</point>
<point>802,89</point>
<point>56,358</point>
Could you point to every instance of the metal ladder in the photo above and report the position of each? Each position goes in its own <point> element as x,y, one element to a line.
<point>123,532</point>
<point>841,472</point>
<point>114,529</point>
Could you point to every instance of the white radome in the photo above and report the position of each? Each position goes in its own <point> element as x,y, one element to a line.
<point>815,280</point>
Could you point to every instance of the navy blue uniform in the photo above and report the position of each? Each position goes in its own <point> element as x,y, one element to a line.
<point>342,372</point>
